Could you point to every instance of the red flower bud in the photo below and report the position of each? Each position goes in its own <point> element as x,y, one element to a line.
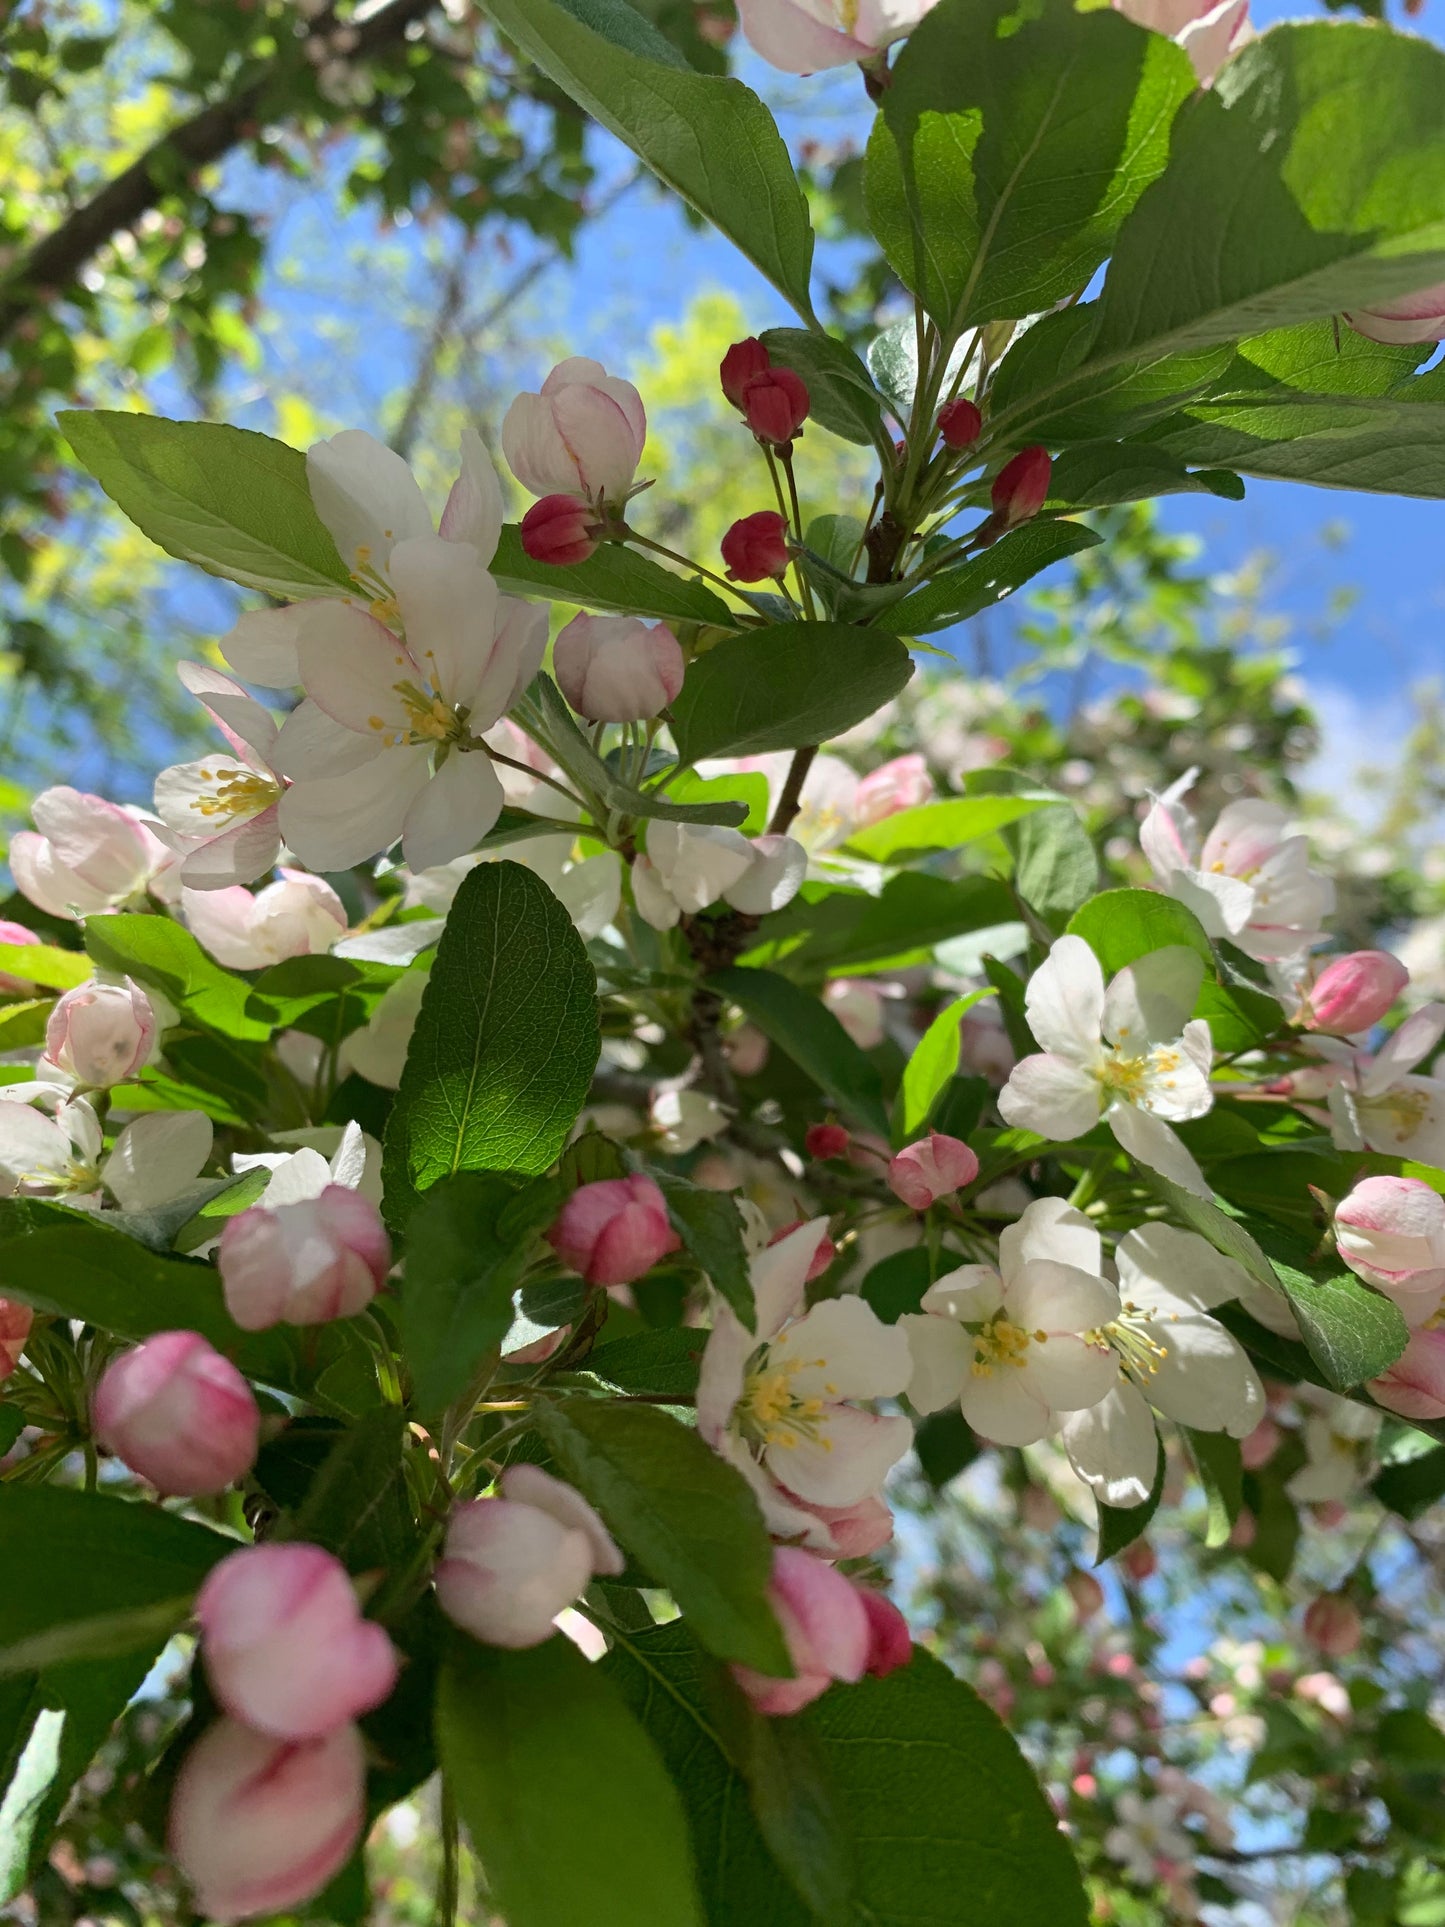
<point>740,364</point>
<point>558,529</point>
<point>960,423</point>
<point>756,546</point>
<point>826,1141</point>
<point>775,405</point>
<point>1021,486</point>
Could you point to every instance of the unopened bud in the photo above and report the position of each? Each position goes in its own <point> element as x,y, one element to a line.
<point>558,530</point>
<point>826,1141</point>
<point>757,547</point>
<point>614,1230</point>
<point>960,423</point>
<point>1021,487</point>
<point>1353,993</point>
<point>928,1171</point>
<point>742,363</point>
<point>1332,1623</point>
<point>775,405</point>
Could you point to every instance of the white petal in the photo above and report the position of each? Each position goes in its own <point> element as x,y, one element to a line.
<point>239,714</point>
<point>352,665</point>
<point>1416,1037</point>
<point>972,1293</point>
<point>1151,1001</point>
<point>1114,1446</point>
<point>1052,1096</point>
<point>312,744</point>
<point>453,812</point>
<point>367,497</point>
<point>1149,1140</point>
<point>780,1274</point>
<point>942,1354</point>
<point>1174,1085</point>
<point>222,921</point>
<point>261,648</point>
<point>156,1157</point>
<point>1204,1379</point>
<point>521,642</point>
<point>1223,904</point>
<point>474,508</point>
<point>1067,1374</point>
<point>1043,1295</point>
<point>344,820</point>
<point>655,902</point>
<point>1003,1409</point>
<point>303,1175</point>
<point>1065,1002</point>
<point>1050,1228</point>
<point>697,862</point>
<point>238,855</point>
<point>1160,1266</point>
<point>32,1147</point>
<point>860,1356</point>
<point>721,1373</point>
<point>772,879</point>
<point>348,1160</point>
<point>449,606</point>
<point>591,892</point>
<point>850,1459</point>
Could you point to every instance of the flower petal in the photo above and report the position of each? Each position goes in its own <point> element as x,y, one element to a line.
<point>1114,1446</point>
<point>1004,1408</point>
<point>1065,1002</point>
<point>1152,1000</point>
<point>448,604</point>
<point>942,1354</point>
<point>453,812</point>
<point>1052,1096</point>
<point>352,665</point>
<point>367,497</point>
<point>1043,1295</point>
<point>261,647</point>
<point>155,1158</point>
<point>852,1456</point>
<point>1162,1268</point>
<point>860,1356</point>
<point>1052,1229</point>
<point>1150,1141</point>
<point>344,820</point>
<point>312,744</point>
<point>473,513</point>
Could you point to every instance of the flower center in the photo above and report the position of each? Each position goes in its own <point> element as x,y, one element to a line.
<point>1123,1075</point>
<point>1001,1342</point>
<point>1402,1110</point>
<point>235,792</point>
<point>771,1411</point>
<point>429,719</point>
<point>1130,1337</point>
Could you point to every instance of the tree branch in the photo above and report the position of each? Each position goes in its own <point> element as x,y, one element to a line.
<point>54,264</point>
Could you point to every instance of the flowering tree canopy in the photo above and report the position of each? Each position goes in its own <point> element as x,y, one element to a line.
<point>524,1160</point>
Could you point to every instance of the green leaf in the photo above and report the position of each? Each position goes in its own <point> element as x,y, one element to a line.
<point>933,1063</point>
<point>1216,1458</point>
<point>466,1253</point>
<point>1225,1233</point>
<point>945,1444</point>
<point>1055,868</point>
<point>1010,146</point>
<point>293,993</point>
<point>23,1025</point>
<point>615,579</point>
<point>45,966</point>
<point>661,1363</point>
<point>1305,405</point>
<point>354,1499</point>
<point>506,1042</point>
<point>785,687</point>
<point>158,952</point>
<point>946,824</point>
<point>840,388</point>
<point>937,1800</point>
<point>851,930</point>
<point>1353,1333</point>
<point>232,501</point>
<point>1121,926</point>
<point>1100,474</point>
<point>896,1284</point>
<point>1037,396</point>
<point>1412,1486</point>
<point>748,787</point>
<point>1289,196</point>
<point>107,1636</point>
<point>709,139</point>
<point>1121,1525</point>
<point>686,1515</point>
<point>711,1227</point>
<point>562,1792</point>
<point>812,1036</point>
<point>985,580</point>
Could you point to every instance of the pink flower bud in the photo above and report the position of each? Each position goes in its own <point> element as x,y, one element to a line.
<point>15,933</point>
<point>558,530</point>
<point>1260,1445</point>
<point>1391,1233</point>
<point>775,405</point>
<point>858,1006</point>
<point>741,364</point>
<point>1412,318</point>
<point>286,1648</point>
<point>824,1252</point>
<point>1333,1625</point>
<point>1353,993</point>
<point>615,669</point>
<point>582,435</point>
<point>826,1141</point>
<point>304,1263</point>
<point>827,1628</point>
<point>1140,1561</point>
<point>84,854</point>
<point>756,547</point>
<point>1414,1386</point>
<point>890,1643</point>
<point>510,1565</point>
<point>1021,487</point>
<point>854,1531</point>
<point>101,1033</point>
<point>1087,1595</point>
<point>15,1323</point>
<point>178,1414</point>
<point>960,423</point>
<point>923,1173</point>
<point>258,1825</point>
<point>899,785</point>
<point>614,1231</point>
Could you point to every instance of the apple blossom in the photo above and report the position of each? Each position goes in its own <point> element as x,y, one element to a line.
<point>512,1564</point>
<point>1248,881</point>
<point>685,1119</point>
<point>901,784</point>
<point>615,669</point>
<point>285,1646</point>
<point>1207,30</point>
<point>614,1230</point>
<point>378,1050</point>
<point>779,1402</point>
<point>304,1173</point>
<point>1380,1103</point>
<point>1018,1346</point>
<point>1353,993</point>
<point>15,1323</point>
<point>685,867</point>
<point>411,709</point>
<point>157,1158</point>
<point>835,1630</point>
<point>86,855</point>
<point>582,435</point>
<point>826,1141</point>
<point>299,916</point>
<point>1414,1386</point>
<point>178,1414</point>
<point>756,547</point>
<point>823,1256</point>
<point>858,1005</point>
<point>1338,1437</point>
<point>558,530</point>
<point>1021,487</point>
<point>303,1263</point>
<point>1173,1358</point>
<point>258,1825</point>
<point>1410,318</point>
<point>1130,1054</point>
<point>1147,1833</point>
<point>1391,1232</point>
<point>48,1157</point>
<point>99,1034</point>
<point>923,1173</point>
<point>804,36</point>
<point>960,423</point>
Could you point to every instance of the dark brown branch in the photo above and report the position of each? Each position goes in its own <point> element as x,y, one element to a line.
<point>54,264</point>
<point>791,799</point>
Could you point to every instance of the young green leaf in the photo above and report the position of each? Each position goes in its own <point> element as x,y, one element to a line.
<point>933,1063</point>
<point>158,952</point>
<point>711,1227</point>
<point>953,595</point>
<point>44,965</point>
<point>1055,868</point>
<point>946,824</point>
<point>232,501</point>
<point>506,1043</point>
<point>1120,926</point>
<point>568,1806</point>
<point>686,1515</point>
